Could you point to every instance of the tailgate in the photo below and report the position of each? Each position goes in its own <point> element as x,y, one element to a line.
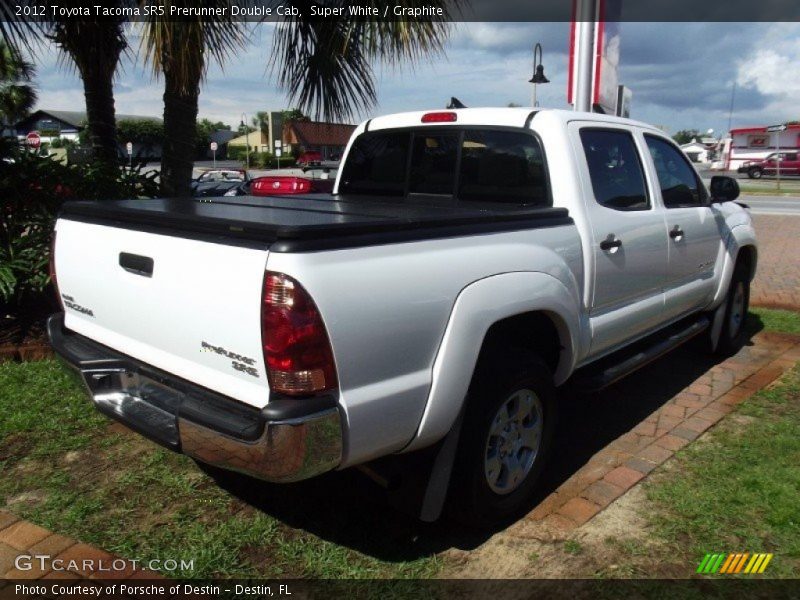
<point>197,316</point>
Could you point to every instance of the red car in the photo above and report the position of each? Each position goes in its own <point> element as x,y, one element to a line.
<point>789,165</point>
<point>307,158</point>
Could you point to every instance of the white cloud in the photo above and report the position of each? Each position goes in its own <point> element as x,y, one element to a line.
<point>772,71</point>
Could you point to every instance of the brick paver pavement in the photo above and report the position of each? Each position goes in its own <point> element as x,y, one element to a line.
<point>629,458</point>
<point>777,282</point>
<point>20,538</point>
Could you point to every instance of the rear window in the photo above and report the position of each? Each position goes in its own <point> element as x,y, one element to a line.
<point>376,164</point>
<point>474,165</point>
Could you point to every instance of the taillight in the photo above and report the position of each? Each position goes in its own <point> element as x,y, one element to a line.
<point>277,185</point>
<point>52,269</point>
<point>297,351</point>
<point>439,117</point>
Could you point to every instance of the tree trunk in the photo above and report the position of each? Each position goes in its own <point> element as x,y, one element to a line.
<point>95,47</point>
<point>180,136</point>
<point>98,88</point>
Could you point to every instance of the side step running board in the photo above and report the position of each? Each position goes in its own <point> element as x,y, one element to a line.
<point>613,370</point>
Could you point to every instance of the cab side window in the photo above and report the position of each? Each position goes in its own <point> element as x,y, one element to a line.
<point>615,169</point>
<point>680,186</point>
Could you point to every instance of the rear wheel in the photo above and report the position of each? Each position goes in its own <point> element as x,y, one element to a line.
<point>506,436</point>
<point>736,305</point>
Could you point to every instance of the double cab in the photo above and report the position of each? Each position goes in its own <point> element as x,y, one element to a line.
<point>468,264</point>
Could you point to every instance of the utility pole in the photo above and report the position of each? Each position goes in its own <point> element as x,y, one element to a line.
<point>585,17</point>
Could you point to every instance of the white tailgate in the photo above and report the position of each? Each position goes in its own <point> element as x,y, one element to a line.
<point>199,292</point>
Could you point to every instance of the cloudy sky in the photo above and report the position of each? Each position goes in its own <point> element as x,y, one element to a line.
<point>681,75</point>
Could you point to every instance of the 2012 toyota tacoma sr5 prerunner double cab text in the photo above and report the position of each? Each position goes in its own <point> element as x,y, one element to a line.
<point>468,263</point>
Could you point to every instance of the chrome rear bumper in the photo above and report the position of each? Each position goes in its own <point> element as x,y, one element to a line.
<point>288,440</point>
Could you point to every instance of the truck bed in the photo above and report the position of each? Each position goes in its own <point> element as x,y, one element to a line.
<point>311,222</point>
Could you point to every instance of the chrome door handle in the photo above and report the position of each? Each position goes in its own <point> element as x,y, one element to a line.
<point>676,233</point>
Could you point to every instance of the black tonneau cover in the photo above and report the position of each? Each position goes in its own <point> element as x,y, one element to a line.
<point>311,222</point>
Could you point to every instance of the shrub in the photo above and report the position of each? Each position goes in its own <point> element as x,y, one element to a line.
<point>33,189</point>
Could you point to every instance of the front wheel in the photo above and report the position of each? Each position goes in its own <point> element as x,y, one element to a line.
<point>737,302</point>
<point>506,436</point>
<point>754,174</point>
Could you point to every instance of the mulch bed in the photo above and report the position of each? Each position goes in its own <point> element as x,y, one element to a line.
<point>23,331</point>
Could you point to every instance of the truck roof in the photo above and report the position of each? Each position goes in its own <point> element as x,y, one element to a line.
<point>499,116</point>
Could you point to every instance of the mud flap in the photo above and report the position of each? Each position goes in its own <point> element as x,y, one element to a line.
<point>716,324</point>
<point>439,480</point>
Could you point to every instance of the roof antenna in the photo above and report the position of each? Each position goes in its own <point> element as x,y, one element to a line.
<point>456,103</point>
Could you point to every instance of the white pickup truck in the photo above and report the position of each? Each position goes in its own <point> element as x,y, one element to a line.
<point>468,263</point>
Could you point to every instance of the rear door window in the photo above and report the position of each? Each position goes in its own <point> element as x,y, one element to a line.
<point>615,169</point>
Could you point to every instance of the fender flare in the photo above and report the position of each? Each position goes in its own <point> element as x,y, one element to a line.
<point>741,236</point>
<point>476,309</point>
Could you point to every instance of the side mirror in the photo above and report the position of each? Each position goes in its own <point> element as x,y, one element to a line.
<point>724,188</point>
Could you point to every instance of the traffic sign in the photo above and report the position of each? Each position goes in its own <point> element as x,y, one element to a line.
<point>33,139</point>
<point>214,146</point>
<point>129,148</point>
<point>776,128</point>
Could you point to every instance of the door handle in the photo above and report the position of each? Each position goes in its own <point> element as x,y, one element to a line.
<point>610,242</point>
<point>136,264</point>
<point>676,232</point>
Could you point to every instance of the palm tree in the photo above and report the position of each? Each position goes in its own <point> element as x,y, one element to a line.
<point>325,66</point>
<point>179,50</point>
<point>94,47</point>
<point>17,95</point>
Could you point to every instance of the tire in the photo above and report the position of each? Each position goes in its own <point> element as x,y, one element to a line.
<point>732,336</point>
<point>496,467</point>
<point>754,173</point>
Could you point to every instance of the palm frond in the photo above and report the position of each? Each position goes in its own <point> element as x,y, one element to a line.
<point>325,66</point>
<point>184,46</point>
<point>85,41</point>
<point>323,72</point>
<point>21,34</point>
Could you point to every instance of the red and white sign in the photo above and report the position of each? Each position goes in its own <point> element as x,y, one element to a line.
<point>33,139</point>
<point>214,146</point>
<point>605,77</point>
<point>757,141</point>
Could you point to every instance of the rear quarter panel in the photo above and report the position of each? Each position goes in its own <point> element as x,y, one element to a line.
<point>386,309</point>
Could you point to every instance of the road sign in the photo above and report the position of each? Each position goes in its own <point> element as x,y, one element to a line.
<point>278,152</point>
<point>214,146</point>
<point>33,139</point>
<point>277,143</point>
<point>129,148</point>
<point>776,128</point>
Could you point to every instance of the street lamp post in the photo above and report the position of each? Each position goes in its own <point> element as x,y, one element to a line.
<point>538,71</point>
<point>246,139</point>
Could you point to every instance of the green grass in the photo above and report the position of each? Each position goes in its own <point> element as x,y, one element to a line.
<point>64,469</point>
<point>784,321</point>
<point>769,187</point>
<point>572,547</point>
<point>738,489</point>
